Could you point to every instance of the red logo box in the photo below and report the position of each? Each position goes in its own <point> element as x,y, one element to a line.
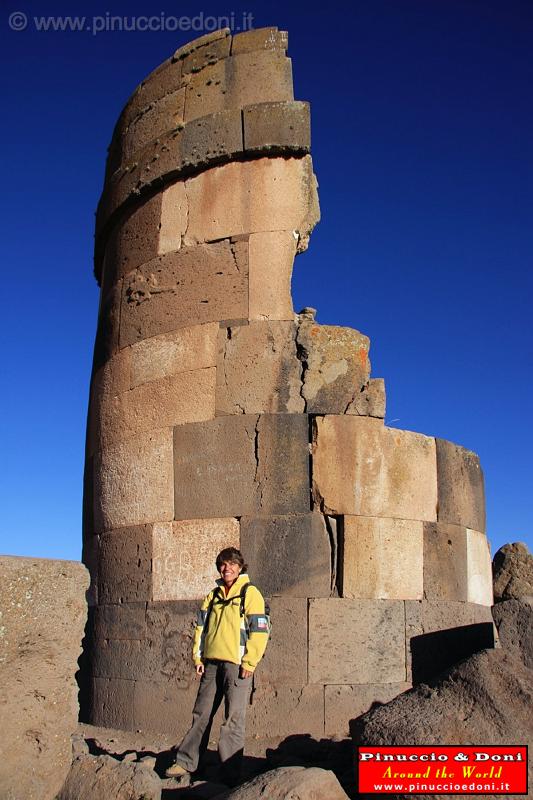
<point>443,769</point>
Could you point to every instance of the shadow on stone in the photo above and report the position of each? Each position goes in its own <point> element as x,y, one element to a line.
<point>432,653</point>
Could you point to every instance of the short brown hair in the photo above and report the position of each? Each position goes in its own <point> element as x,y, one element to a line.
<point>233,555</point>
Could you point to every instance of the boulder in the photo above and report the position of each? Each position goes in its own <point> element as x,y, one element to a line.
<point>103,778</point>
<point>514,620</point>
<point>512,570</point>
<point>42,617</point>
<point>485,699</point>
<point>290,783</point>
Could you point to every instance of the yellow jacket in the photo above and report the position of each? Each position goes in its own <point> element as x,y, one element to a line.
<point>221,633</point>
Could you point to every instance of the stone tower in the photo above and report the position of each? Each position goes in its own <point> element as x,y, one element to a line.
<point>219,417</point>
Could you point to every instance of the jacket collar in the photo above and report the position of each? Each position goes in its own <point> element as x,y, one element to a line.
<point>237,586</point>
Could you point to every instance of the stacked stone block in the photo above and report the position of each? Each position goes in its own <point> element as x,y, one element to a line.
<point>220,417</point>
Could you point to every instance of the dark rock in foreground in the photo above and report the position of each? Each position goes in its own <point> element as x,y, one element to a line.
<point>512,569</point>
<point>290,783</point>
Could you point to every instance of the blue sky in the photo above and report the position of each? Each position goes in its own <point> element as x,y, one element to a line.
<point>422,128</point>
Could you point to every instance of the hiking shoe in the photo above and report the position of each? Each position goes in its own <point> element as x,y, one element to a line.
<point>176,771</point>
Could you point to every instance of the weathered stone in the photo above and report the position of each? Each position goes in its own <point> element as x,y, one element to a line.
<point>271,543</point>
<point>195,285</point>
<point>484,699</point>
<point>461,486</point>
<point>242,80</point>
<point>361,467</point>
<point>266,194</point>
<point>164,115</point>
<point>371,400</point>
<point>127,659</point>
<point>345,703</point>
<point>163,80</point>
<point>441,632</point>
<point>103,777</point>
<point>164,707</point>
<point>286,710</point>
<point>270,260</point>
<point>173,400</point>
<point>336,366</point>
<point>301,783</point>
<point>258,370</point>
<point>336,656</point>
<point>382,558</point>
<point>170,629</point>
<point>133,481</point>
<point>241,464</point>
<point>200,143</point>
<point>479,569</point>
<point>201,42</point>
<point>514,621</point>
<point>206,54</point>
<point>259,39</point>
<point>445,562</point>
<point>513,572</point>
<point>133,240</point>
<point>184,552</point>
<point>277,127</point>
<point>285,659</point>
<point>123,621</point>
<point>112,703</point>
<point>107,333</point>
<point>214,468</point>
<point>126,565</point>
<point>42,614</point>
<point>173,353</point>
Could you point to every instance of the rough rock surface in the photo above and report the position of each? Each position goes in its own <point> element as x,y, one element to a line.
<point>290,783</point>
<point>42,617</point>
<point>485,699</point>
<point>103,778</point>
<point>512,569</point>
<point>514,620</point>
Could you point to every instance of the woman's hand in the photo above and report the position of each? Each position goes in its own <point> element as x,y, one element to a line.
<point>244,673</point>
<point>200,669</point>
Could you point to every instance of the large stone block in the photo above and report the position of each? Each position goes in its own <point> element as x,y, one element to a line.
<point>244,464</point>
<point>122,621</point>
<point>170,630</point>
<point>134,482</point>
<point>163,80</point>
<point>125,569</point>
<point>286,710</point>
<point>163,115</point>
<point>346,637</point>
<point>206,54</point>
<point>382,558</point>
<point>244,79</point>
<point>133,240</point>
<point>184,556</point>
<point>445,562</point>
<point>112,705</point>
<point>193,286</point>
<point>277,127</point>
<point>258,370</point>
<point>270,260</point>
<point>346,703</point>
<point>479,569</point>
<point>285,659</point>
<point>336,366</point>
<point>266,194</point>
<point>127,659</point>
<point>43,613</point>
<point>163,708</point>
<point>361,467</point>
<point>260,39</point>
<point>186,349</point>
<point>288,555</point>
<point>201,43</point>
<point>107,332</point>
<point>461,486</point>
<point>173,400</point>
<point>441,632</point>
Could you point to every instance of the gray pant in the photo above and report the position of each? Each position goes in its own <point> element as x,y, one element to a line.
<point>220,680</point>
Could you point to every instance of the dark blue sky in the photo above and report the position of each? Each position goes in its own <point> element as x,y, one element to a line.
<point>422,130</point>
